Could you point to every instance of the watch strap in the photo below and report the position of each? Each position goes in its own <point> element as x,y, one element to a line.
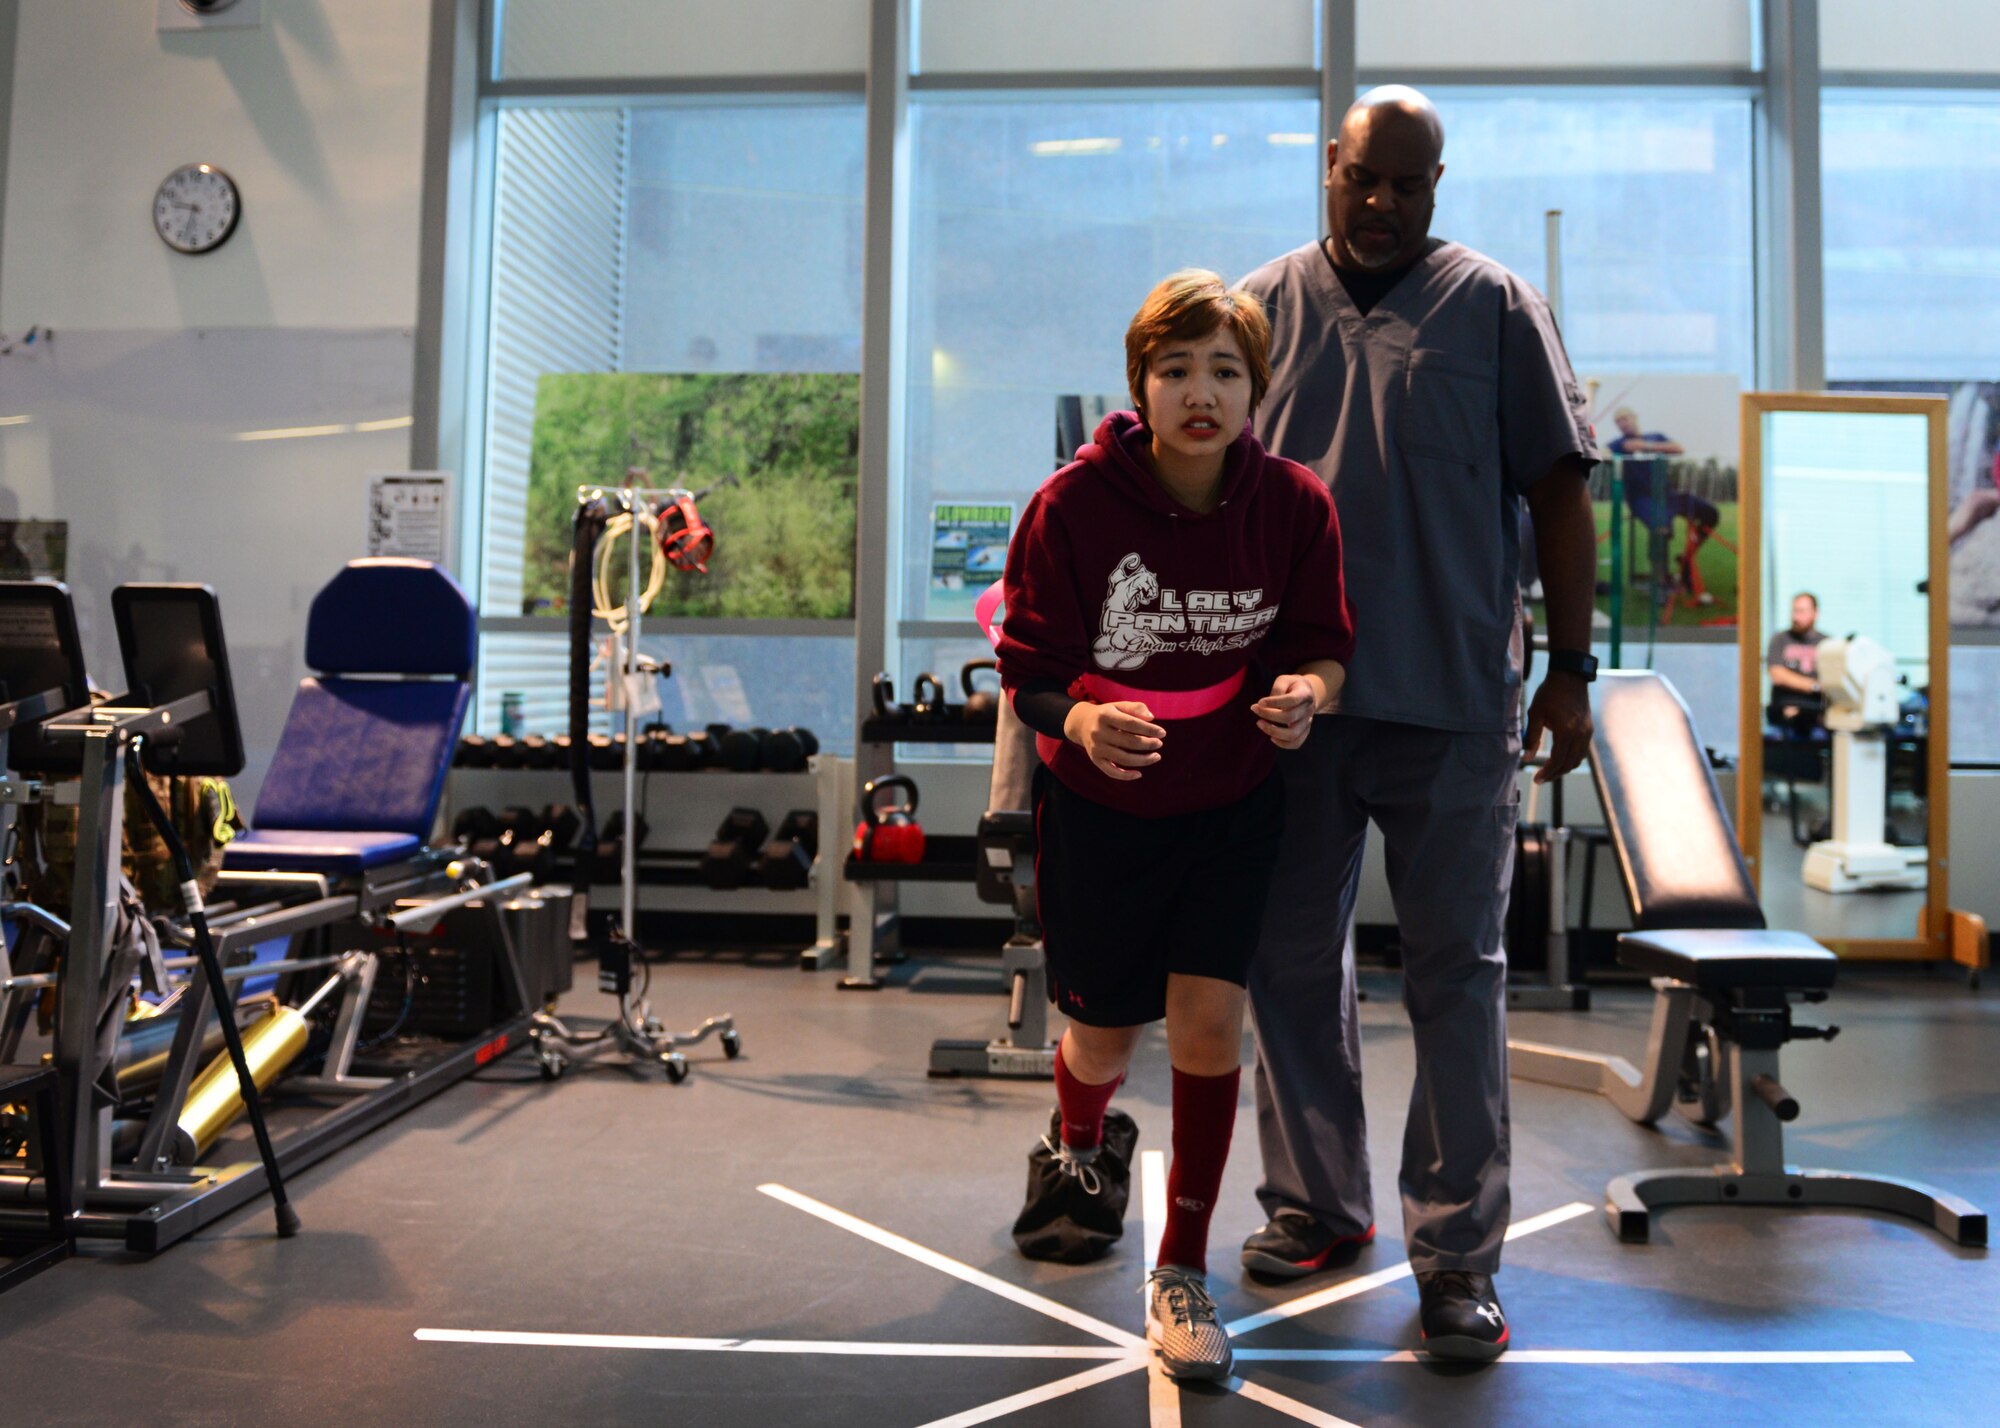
<point>1580,663</point>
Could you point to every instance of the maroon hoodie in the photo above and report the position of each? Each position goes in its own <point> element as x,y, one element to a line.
<point>1109,576</point>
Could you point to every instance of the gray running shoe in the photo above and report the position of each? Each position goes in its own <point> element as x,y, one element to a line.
<point>1182,1327</point>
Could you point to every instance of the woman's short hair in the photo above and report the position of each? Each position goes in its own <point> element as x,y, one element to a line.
<point>1190,305</point>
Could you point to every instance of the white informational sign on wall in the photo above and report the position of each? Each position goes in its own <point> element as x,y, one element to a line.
<point>409,514</point>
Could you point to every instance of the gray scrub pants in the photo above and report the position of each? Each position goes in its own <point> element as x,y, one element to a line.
<point>1446,804</point>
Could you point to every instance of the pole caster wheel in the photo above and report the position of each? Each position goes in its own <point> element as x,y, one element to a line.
<point>732,1043</point>
<point>677,1067</point>
<point>553,1063</point>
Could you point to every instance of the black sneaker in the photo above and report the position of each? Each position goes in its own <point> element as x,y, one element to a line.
<point>1075,1210</point>
<point>1461,1316</point>
<point>1295,1244</point>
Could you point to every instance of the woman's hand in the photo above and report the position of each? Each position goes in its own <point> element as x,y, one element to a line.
<point>1119,738</point>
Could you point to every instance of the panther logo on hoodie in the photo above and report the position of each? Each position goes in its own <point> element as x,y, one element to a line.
<point>1121,645</point>
<point>1211,621</point>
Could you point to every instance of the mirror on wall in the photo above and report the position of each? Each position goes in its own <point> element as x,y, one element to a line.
<point>1842,794</point>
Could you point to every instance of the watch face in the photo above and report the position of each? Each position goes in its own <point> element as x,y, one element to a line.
<point>196,208</point>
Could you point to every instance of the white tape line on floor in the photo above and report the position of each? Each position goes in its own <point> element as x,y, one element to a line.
<point>1163,1395</point>
<point>1598,1357</point>
<point>1061,1388</point>
<point>772,1346</point>
<point>909,1249</point>
<point>1347,1289</point>
<point>1288,1406</point>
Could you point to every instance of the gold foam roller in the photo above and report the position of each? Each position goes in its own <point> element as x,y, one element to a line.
<point>214,1101</point>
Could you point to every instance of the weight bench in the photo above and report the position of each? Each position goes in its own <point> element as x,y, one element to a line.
<point>339,866</point>
<point>1725,985</point>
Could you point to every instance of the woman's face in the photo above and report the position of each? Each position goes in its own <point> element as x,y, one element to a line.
<point>1198,395</point>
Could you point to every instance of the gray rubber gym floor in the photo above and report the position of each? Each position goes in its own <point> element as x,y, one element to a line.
<point>700,1229</point>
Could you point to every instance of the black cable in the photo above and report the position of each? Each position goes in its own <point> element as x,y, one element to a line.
<point>591,515</point>
<point>409,998</point>
<point>211,965</point>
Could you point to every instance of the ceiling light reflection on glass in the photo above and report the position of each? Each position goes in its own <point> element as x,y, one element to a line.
<point>1068,148</point>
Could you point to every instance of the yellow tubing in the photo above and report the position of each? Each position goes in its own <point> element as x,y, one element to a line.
<point>214,1100</point>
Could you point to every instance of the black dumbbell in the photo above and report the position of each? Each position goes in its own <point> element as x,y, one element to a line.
<point>674,753</point>
<point>731,860</point>
<point>537,752</point>
<point>563,826</point>
<point>611,846</point>
<point>786,750</point>
<point>474,825</point>
<point>507,753</point>
<point>786,862</point>
<point>982,706</point>
<point>475,752</point>
<point>606,752</point>
<point>736,749</point>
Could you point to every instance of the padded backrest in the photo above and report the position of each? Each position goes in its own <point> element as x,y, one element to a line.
<point>364,756</point>
<point>391,616</point>
<point>1673,840</point>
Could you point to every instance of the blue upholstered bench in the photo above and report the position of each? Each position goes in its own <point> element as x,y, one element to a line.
<point>360,768</point>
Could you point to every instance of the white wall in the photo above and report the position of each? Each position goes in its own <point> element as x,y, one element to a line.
<point>317,115</point>
<point>1552,34</point>
<point>1948,35</point>
<point>131,420</point>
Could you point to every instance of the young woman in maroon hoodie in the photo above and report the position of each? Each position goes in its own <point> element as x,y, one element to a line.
<point>1174,619</point>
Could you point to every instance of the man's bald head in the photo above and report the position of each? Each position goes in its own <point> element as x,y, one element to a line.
<point>1381,179</point>
<point>1395,105</point>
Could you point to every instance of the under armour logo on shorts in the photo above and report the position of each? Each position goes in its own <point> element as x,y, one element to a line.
<point>1196,1206</point>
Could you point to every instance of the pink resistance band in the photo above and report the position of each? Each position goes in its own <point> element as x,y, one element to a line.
<point>1165,703</point>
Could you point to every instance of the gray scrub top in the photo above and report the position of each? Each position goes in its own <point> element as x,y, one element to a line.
<point>1428,418</point>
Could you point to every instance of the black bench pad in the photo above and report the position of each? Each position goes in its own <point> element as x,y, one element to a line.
<point>1715,958</point>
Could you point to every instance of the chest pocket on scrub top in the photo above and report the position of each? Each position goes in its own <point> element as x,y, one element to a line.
<point>1449,407</point>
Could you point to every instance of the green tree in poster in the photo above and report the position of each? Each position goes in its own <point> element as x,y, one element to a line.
<point>784,529</point>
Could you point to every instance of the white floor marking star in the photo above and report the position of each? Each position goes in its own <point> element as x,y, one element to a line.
<point>1122,1352</point>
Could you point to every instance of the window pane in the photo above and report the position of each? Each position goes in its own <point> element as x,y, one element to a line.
<point>1912,235</point>
<point>1060,36</point>
<point>1037,229</point>
<point>714,238</point>
<point>1657,218</point>
<point>642,39</point>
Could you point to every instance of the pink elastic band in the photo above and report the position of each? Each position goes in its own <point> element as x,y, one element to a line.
<point>989,601</point>
<point>1167,703</point>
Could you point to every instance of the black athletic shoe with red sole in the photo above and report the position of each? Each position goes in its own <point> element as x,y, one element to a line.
<point>1294,1244</point>
<point>1461,1316</point>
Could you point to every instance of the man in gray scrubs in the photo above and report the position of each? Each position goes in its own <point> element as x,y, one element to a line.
<point>1429,387</point>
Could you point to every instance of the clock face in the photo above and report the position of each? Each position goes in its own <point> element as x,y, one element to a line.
<point>196,208</point>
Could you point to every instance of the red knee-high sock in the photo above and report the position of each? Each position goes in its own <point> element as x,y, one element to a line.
<point>1082,1105</point>
<point>1204,1117</point>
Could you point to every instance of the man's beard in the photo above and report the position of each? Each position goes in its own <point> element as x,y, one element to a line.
<point>1373,264</point>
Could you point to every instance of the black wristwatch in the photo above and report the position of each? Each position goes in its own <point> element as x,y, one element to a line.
<point>1577,662</point>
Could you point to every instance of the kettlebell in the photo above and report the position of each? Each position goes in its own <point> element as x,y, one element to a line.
<point>928,704</point>
<point>886,707</point>
<point>889,834</point>
<point>981,705</point>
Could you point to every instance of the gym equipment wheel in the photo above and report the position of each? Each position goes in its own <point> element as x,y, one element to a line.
<point>553,1063</point>
<point>732,1043</point>
<point>677,1067</point>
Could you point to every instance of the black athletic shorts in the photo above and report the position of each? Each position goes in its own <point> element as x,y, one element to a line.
<point>1124,900</point>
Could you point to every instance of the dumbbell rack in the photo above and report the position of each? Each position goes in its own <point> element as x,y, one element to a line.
<point>868,889</point>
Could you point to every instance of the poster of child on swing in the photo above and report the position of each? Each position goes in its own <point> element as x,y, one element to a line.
<point>1667,547</point>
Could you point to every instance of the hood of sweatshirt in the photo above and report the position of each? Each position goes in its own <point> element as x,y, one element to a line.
<point>1121,450</point>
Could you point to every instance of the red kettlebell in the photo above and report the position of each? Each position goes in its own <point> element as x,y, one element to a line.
<point>891,833</point>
